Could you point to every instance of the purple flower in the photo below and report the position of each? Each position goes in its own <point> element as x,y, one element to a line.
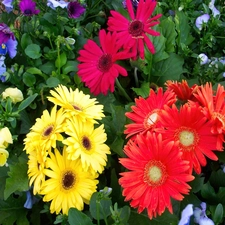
<point>28,7</point>
<point>8,5</point>
<point>186,214</point>
<point>5,33</point>
<point>202,19</point>
<point>2,68</point>
<point>75,10</point>
<point>30,200</point>
<point>201,217</point>
<point>54,4</point>
<point>11,47</point>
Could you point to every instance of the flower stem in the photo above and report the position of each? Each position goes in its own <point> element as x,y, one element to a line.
<point>136,77</point>
<point>121,89</point>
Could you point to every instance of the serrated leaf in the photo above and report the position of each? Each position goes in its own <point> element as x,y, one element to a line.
<point>25,103</point>
<point>33,51</point>
<point>76,217</point>
<point>143,91</point>
<point>18,179</point>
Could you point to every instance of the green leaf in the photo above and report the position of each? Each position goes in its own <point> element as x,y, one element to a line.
<point>25,40</point>
<point>143,91</point>
<point>47,68</point>
<point>71,66</point>
<point>50,18</point>
<point>33,51</point>
<point>218,214</point>
<point>29,79</point>
<point>208,193</point>
<point>61,60</point>
<point>25,103</point>
<point>52,82</point>
<point>34,70</point>
<point>197,184</point>
<point>75,217</point>
<point>99,208</point>
<point>18,179</point>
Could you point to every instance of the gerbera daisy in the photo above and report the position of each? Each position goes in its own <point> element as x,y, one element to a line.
<point>36,165</point>
<point>68,184</point>
<point>132,32</point>
<point>146,111</point>
<point>75,10</point>
<point>156,174</point>
<point>214,105</point>
<point>87,143</point>
<point>98,68</point>
<point>77,103</point>
<point>28,7</point>
<point>191,131</point>
<point>46,131</point>
<point>182,90</point>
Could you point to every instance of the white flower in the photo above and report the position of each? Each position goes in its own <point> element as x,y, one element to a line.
<point>215,11</point>
<point>206,221</point>
<point>186,214</point>
<point>203,58</point>
<point>53,4</point>
<point>202,19</point>
<point>14,93</point>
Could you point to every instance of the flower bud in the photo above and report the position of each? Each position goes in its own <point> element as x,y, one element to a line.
<point>14,93</point>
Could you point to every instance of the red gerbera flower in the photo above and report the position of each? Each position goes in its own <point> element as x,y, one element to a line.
<point>157,173</point>
<point>214,106</point>
<point>98,68</point>
<point>182,90</point>
<point>191,131</point>
<point>146,111</point>
<point>132,33</point>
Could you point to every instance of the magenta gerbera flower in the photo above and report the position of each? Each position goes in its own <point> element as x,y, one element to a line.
<point>132,32</point>
<point>75,10</point>
<point>5,33</point>
<point>28,7</point>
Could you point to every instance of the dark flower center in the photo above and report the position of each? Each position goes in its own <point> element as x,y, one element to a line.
<point>76,107</point>
<point>48,131</point>
<point>136,28</point>
<point>86,143</point>
<point>28,12</point>
<point>68,180</point>
<point>105,63</point>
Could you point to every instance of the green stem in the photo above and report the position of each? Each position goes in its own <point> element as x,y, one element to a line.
<point>121,89</point>
<point>97,205</point>
<point>150,68</point>
<point>136,77</point>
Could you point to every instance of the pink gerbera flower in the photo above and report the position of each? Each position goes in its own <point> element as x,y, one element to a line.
<point>132,32</point>
<point>98,68</point>
<point>28,7</point>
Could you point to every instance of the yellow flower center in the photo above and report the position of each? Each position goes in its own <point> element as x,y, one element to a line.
<point>151,118</point>
<point>155,173</point>
<point>68,180</point>
<point>48,131</point>
<point>187,137</point>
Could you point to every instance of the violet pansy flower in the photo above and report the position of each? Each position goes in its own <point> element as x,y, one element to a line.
<point>8,5</point>
<point>202,19</point>
<point>186,215</point>
<point>75,10</point>
<point>28,8</point>
<point>54,4</point>
<point>5,33</point>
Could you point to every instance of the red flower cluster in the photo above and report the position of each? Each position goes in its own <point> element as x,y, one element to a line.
<point>168,143</point>
<point>98,66</point>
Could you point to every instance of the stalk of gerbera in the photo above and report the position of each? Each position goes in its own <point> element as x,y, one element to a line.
<point>46,131</point>
<point>156,174</point>
<point>98,68</point>
<point>189,128</point>
<point>76,103</point>
<point>68,185</point>
<point>146,112</point>
<point>132,32</point>
<point>87,143</point>
<point>28,7</point>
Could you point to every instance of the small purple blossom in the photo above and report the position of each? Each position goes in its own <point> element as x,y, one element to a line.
<point>8,5</point>
<point>2,68</point>
<point>28,7</point>
<point>5,33</point>
<point>30,200</point>
<point>202,19</point>
<point>203,58</point>
<point>215,11</point>
<point>75,10</point>
<point>54,4</point>
<point>186,214</point>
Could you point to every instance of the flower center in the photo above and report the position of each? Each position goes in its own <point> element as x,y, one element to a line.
<point>28,12</point>
<point>136,28</point>
<point>76,107</point>
<point>48,131</point>
<point>105,63</point>
<point>187,137</point>
<point>219,117</point>
<point>155,173</point>
<point>68,180</point>
<point>86,143</point>
<point>151,119</point>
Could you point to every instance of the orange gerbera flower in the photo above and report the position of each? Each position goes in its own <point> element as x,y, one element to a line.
<point>157,174</point>
<point>182,90</point>
<point>146,111</point>
<point>191,131</point>
<point>214,106</point>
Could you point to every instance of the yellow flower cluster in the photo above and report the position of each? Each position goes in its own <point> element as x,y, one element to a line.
<point>5,140</point>
<point>66,150</point>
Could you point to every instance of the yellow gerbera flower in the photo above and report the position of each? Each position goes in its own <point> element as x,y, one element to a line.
<point>77,103</point>
<point>46,131</point>
<point>87,143</point>
<point>68,184</point>
<point>36,165</point>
